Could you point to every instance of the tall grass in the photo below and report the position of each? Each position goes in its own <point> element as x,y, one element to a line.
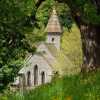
<point>77,87</point>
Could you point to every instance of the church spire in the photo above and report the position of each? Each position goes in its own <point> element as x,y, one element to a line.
<point>54,11</point>
<point>53,25</point>
<point>54,30</point>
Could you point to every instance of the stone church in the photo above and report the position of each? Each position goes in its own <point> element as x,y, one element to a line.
<point>39,68</point>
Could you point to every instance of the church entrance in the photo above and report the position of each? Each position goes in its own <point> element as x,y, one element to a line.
<point>35,75</point>
<point>43,77</point>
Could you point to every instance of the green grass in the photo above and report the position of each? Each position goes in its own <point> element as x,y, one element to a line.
<point>74,87</point>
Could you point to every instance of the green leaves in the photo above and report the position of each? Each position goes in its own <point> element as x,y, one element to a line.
<point>64,15</point>
<point>87,9</point>
<point>43,12</point>
<point>91,14</point>
<point>13,43</point>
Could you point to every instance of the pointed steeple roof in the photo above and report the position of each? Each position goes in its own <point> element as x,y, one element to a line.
<point>53,25</point>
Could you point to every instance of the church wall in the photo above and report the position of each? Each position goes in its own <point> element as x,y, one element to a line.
<point>55,39</point>
<point>47,54</point>
<point>43,66</point>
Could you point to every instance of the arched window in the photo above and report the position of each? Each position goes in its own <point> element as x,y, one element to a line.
<point>28,78</point>
<point>43,77</point>
<point>35,75</point>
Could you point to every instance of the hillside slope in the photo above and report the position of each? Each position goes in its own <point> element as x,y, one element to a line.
<point>74,87</point>
<point>69,58</point>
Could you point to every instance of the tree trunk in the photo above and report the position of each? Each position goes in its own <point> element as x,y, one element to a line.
<point>90,36</point>
<point>89,46</point>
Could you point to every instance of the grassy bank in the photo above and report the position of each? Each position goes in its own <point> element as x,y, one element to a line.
<point>74,87</point>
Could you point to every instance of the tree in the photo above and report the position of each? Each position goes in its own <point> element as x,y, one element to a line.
<point>87,16</point>
<point>14,23</point>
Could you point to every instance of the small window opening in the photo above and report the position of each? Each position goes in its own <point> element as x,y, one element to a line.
<point>53,39</point>
<point>43,77</point>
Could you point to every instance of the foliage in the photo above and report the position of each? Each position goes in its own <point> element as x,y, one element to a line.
<point>91,14</point>
<point>87,9</point>
<point>64,14</point>
<point>42,13</point>
<point>13,43</point>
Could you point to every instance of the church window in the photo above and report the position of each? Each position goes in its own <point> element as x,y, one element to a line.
<point>53,39</point>
<point>42,77</point>
<point>35,75</point>
<point>28,78</point>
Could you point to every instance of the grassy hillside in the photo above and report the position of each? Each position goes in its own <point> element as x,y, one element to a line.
<point>69,58</point>
<point>67,88</point>
<point>71,45</point>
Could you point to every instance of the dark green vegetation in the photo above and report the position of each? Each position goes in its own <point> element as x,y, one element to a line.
<point>88,10</point>
<point>78,87</point>
<point>14,23</point>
